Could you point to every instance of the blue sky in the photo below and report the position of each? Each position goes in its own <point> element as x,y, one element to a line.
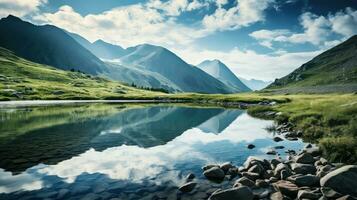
<point>262,39</point>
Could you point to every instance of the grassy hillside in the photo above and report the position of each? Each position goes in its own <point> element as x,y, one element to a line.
<point>327,119</point>
<point>22,79</point>
<point>332,71</point>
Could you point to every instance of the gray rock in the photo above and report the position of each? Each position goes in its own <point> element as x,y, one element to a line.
<point>299,168</point>
<point>277,139</point>
<point>347,197</point>
<point>280,167</point>
<point>258,168</point>
<point>342,180</point>
<point>251,176</point>
<point>306,194</point>
<point>307,180</point>
<point>278,196</point>
<point>241,193</point>
<point>261,193</point>
<point>274,162</point>
<point>214,173</point>
<point>307,146</point>
<point>226,166</point>
<point>305,158</point>
<point>286,188</point>
<point>284,174</point>
<point>261,183</point>
<point>314,151</point>
<point>245,181</point>
<point>330,193</point>
<point>190,177</point>
<point>271,152</point>
<point>188,187</point>
<point>209,167</point>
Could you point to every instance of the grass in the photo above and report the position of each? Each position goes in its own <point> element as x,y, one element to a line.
<point>24,80</point>
<point>329,120</point>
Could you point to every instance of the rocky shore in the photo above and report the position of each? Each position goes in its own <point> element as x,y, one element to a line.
<point>305,175</point>
<point>301,175</point>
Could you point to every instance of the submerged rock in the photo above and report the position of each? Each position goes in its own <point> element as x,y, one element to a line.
<point>277,139</point>
<point>188,187</point>
<point>214,173</point>
<point>251,146</point>
<point>241,193</point>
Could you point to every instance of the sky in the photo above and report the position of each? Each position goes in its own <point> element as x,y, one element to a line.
<point>261,39</point>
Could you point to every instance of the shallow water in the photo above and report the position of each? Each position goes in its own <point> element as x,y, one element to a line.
<point>104,151</point>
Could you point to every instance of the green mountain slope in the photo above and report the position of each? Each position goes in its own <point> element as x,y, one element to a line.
<point>22,79</point>
<point>48,45</point>
<point>335,70</point>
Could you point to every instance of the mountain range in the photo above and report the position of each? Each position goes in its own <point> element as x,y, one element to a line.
<point>334,70</point>
<point>255,84</point>
<point>143,65</point>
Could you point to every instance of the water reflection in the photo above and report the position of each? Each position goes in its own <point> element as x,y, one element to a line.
<point>128,152</point>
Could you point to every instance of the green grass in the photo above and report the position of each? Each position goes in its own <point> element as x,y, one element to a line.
<point>329,120</point>
<point>24,80</point>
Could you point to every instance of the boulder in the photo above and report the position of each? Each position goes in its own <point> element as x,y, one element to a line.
<point>299,168</point>
<point>284,174</point>
<point>307,194</point>
<point>190,177</point>
<point>286,188</point>
<point>314,151</point>
<point>280,167</point>
<point>188,187</point>
<point>214,173</point>
<point>330,193</point>
<point>278,196</point>
<point>271,152</point>
<point>226,166</point>
<point>261,183</point>
<point>251,176</point>
<point>277,139</point>
<point>241,193</point>
<point>258,168</point>
<point>347,197</point>
<point>206,167</point>
<point>305,158</point>
<point>274,162</point>
<point>342,180</point>
<point>245,181</point>
<point>307,180</point>
<point>254,160</point>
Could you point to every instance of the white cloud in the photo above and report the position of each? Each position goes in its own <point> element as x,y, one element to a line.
<point>249,64</point>
<point>176,7</point>
<point>245,13</point>
<point>317,30</point>
<point>19,8</point>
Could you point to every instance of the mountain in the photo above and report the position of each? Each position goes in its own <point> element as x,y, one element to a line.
<point>47,45</point>
<point>334,70</point>
<point>21,79</point>
<point>100,48</point>
<point>162,61</point>
<point>255,84</point>
<point>221,72</point>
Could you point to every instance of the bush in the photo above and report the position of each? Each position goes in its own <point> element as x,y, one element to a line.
<point>340,149</point>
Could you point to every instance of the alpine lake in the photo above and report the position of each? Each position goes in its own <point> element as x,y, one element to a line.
<point>124,151</point>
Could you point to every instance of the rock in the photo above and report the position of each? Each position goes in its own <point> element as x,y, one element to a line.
<point>307,146</point>
<point>261,193</point>
<point>273,180</point>
<point>278,196</point>
<point>307,180</point>
<point>279,147</point>
<point>286,188</point>
<point>245,181</point>
<point>323,161</point>
<point>251,176</point>
<point>209,167</point>
<point>188,187</point>
<point>190,177</point>
<point>330,193</point>
<point>241,193</point>
<point>226,166</point>
<point>305,158</point>
<point>299,168</point>
<point>342,180</point>
<point>261,183</point>
<point>274,162</point>
<point>277,139</point>
<point>346,197</point>
<point>258,168</point>
<point>280,167</point>
<point>267,174</point>
<point>233,172</point>
<point>251,146</point>
<point>253,161</point>
<point>271,152</point>
<point>284,174</point>
<point>214,173</point>
<point>306,194</point>
<point>314,151</point>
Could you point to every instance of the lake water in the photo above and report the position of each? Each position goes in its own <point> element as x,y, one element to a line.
<point>105,151</point>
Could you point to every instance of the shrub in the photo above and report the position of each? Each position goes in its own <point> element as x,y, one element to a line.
<point>339,149</point>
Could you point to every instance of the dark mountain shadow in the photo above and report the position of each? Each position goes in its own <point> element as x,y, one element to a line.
<point>220,122</point>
